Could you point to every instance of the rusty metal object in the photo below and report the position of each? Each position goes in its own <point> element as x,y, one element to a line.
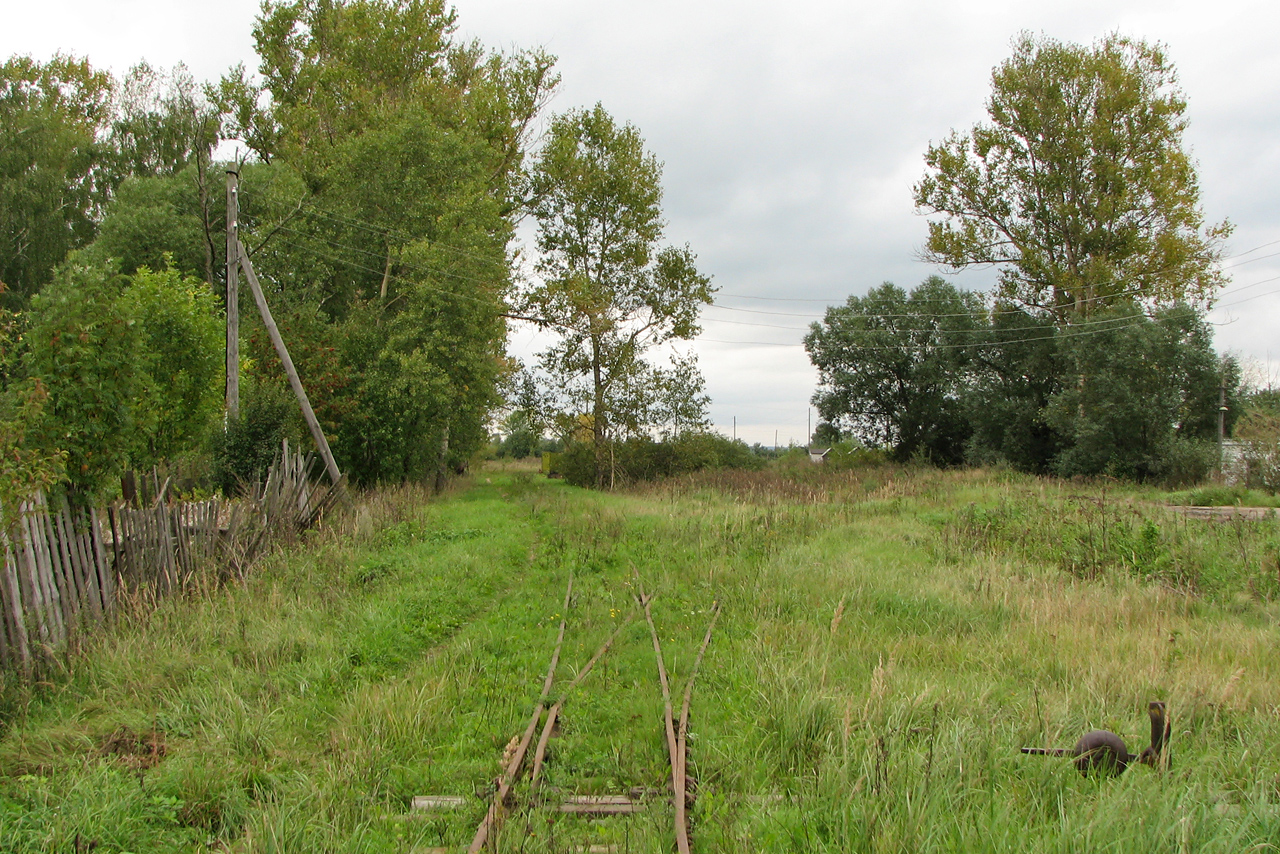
<point>1105,752</point>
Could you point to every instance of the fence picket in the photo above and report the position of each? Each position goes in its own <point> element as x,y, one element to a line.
<point>59,577</point>
<point>14,618</point>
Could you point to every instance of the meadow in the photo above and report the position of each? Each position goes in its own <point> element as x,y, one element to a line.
<point>888,639</point>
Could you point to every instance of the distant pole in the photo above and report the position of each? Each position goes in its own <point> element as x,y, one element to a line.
<point>775,440</point>
<point>735,428</point>
<point>1222,425</point>
<point>808,427</point>
<point>233,295</point>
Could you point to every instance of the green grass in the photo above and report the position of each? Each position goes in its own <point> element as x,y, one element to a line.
<point>888,640</point>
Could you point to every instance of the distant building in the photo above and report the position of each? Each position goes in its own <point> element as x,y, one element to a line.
<point>818,456</point>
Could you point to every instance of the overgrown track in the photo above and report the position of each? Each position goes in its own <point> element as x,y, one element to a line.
<point>517,750</point>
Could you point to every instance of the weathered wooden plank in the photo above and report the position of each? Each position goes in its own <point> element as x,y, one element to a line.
<point>92,551</point>
<point>105,573</point>
<point>438,802</point>
<point>39,601</point>
<point>62,550</point>
<point>14,611</point>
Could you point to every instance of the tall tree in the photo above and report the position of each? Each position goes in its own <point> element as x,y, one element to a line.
<point>53,117</point>
<point>1153,385</point>
<point>606,286</point>
<point>1079,189</point>
<point>892,367</point>
<point>391,275</point>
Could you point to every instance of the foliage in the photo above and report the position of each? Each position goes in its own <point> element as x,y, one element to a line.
<point>244,451</point>
<point>338,69</point>
<point>891,367</point>
<point>1259,434</point>
<point>1143,383</point>
<point>522,438</point>
<point>180,337</point>
<point>25,466</point>
<point>937,375</point>
<point>638,459</point>
<point>154,222</point>
<point>390,275</point>
<point>1079,189</point>
<point>163,124</point>
<point>131,368</point>
<point>52,185</point>
<point>87,351</point>
<point>606,287</point>
<point>1016,370</point>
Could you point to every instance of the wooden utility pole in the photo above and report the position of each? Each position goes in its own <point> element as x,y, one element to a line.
<point>1222,427</point>
<point>233,296</point>
<point>301,393</point>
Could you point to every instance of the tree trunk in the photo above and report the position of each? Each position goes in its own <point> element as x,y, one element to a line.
<point>598,415</point>
<point>442,462</point>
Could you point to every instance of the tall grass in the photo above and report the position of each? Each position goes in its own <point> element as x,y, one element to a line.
<point>889,638</point>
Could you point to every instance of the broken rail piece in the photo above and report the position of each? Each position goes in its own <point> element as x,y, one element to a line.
<point>1105,752</point>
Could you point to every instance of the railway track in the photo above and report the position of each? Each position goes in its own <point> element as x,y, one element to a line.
<point>523,754</point>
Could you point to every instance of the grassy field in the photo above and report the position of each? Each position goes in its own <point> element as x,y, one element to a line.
<point>888,640</point>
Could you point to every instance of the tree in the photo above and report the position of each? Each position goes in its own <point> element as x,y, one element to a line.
<point>180,332</point>
<point>1015,369</point>
<point>891,367</point>
<point>163,123</point>
<point>128,370</point>
<point>151,219</point>
<point>52,184</point>
<point>25,464</point>
<point>606,287</point>
<point>1153,386</point>
<point>85,350</point>
<point>1079,189</point>
<point>390,276</point>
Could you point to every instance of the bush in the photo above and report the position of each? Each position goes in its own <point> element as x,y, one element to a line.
<point>1259,436</point>
<point>246,449</point>
<point>643,459</point>
<point>1186,462</point>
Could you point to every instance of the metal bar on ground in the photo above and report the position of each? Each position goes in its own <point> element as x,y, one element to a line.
<point>677,781</point>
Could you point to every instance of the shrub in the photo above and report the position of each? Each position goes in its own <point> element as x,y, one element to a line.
<point>644,459</point>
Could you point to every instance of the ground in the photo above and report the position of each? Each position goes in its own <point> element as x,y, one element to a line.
<point>888,640</point>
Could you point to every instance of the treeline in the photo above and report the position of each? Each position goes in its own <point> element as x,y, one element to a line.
<point>940,374</point>
<point>383,165</point>
<point>1092,355</point>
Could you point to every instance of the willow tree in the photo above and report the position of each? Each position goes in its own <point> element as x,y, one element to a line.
<point>1079,188</point>
<point>606,285</point>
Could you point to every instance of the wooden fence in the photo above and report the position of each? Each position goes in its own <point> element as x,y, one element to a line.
<point>66,568</point>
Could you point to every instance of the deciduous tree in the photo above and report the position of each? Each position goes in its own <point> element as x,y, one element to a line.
<point>1079,188</point>
<point>53,117</point>
<point>606,286</point>
<point>891,367</point>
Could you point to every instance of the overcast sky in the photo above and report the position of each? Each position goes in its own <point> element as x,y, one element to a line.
<point>791,137</point>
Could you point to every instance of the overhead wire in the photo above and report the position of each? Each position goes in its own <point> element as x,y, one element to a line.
<point>1102,325</point>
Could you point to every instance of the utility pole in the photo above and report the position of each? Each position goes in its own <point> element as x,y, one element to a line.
<point>1222,426</point>
<point>233,296</point>
<point>735,428</point>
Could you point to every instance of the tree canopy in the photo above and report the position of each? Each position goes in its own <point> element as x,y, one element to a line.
<point>606,286</point>
<point>1079,189</point>
<point>52,180</point>
<point>890,367</point>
